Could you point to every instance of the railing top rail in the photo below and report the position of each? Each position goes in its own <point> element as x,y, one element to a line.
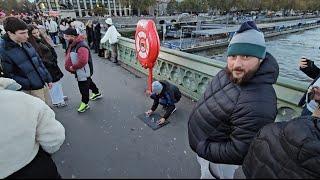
<point>282,81</point>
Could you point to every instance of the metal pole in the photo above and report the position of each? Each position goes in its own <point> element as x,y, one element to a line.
<point>149,90</point>
<point>227,20</point>
<point>164,29</point>
<point>181,38</point>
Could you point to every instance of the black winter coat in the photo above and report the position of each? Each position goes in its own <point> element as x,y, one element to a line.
<point>23,64</point>
<point>90,34</point>
<point>228,116</point>
<point>49,58</point>
<point>289,150</point>
<point>97,33</point>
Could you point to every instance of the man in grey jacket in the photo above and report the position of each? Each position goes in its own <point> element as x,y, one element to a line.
<point>236,104</point>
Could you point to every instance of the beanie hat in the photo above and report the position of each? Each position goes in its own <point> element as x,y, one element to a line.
<point>71,31</point>
<point>249,41</point>
<point>157,87</point>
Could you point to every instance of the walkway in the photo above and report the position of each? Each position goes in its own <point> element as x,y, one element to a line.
<point>108,141</point>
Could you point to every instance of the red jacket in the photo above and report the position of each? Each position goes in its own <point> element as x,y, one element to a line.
<point>83,56</point>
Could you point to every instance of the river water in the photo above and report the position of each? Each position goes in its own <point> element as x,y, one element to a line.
<point>287,49</point>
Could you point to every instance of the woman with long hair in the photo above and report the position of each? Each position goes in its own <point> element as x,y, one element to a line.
<point>49,58</point>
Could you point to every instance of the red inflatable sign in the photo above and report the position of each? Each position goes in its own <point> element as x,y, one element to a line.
<point>147,43</point>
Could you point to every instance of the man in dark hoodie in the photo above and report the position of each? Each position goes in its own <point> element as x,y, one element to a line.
<point>238,102</point>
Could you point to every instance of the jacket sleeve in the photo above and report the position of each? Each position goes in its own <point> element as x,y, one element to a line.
<point>50,133</point>
<point>246,123</point>
<point>106,37</point>
<point>312,71</point>
<point>48,76</point>
<point>8,68</point>
<point>54,53</point>
<point>68,64</point>
<point>83,58</point>
<point>155,102</point>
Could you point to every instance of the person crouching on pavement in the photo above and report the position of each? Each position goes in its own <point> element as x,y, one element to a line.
<point>287,150</point>
<point>165,94</point>
<point>79,62</point>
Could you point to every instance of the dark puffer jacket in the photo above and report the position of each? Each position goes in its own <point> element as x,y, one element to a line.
<point>228,116</point>
<point>23,64</point>
<point>289,150</point>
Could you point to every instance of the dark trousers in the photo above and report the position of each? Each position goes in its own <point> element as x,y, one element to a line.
<point>63,42</point>
<point>42,166</point>
<point>96,45</point>
<point>84,87</point>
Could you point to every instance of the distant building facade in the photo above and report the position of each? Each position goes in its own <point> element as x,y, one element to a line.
<point>160,8</point>
<point>85,7</point>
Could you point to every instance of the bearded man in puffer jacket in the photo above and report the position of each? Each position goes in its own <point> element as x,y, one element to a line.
<point>237,103</point>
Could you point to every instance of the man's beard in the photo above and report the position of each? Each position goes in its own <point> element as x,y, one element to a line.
<point>244,79</point>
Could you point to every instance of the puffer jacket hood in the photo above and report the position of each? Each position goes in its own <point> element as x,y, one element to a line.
<point>9,84</point>
<point>268,71</point>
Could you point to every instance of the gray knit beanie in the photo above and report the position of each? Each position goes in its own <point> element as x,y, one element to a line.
<point>157,87</point>
<point>248,41</point>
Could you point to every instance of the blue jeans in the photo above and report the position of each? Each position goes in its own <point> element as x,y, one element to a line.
<point>53,37</point>
<point>305,111</point>
<point>162,101</point>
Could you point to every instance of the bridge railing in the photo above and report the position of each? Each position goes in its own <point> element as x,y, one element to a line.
<point>191,73</point>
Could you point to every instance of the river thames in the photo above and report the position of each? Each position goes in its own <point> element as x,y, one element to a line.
<point>287,49</point>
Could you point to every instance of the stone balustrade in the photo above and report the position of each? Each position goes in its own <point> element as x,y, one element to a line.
<point>191,73</point>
